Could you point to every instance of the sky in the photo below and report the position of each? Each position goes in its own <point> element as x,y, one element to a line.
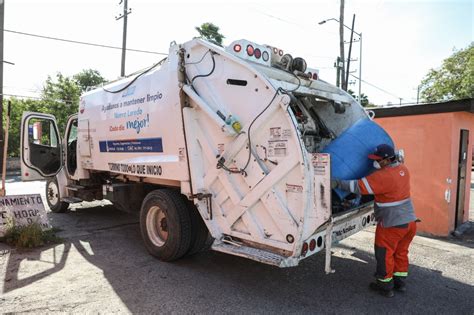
<point>402,40</point>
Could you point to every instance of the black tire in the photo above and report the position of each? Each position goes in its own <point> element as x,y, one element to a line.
<point>201,239</point>
<point>165,224</point>
<point>53,197</point>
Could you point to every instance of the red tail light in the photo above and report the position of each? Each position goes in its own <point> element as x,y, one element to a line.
<point>237,48</point>
<point>315,76</point>
<point>304,250</point>
<point>250,50</point>
<point>312,245</point>
<point>257,53</point>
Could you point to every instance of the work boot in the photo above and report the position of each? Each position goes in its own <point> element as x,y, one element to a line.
<point>382,288</point>
<point>399,284</point>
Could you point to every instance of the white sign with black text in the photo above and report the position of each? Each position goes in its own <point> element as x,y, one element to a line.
<point>22,210</point>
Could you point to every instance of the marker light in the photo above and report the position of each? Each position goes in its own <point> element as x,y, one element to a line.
<point>280,52</point>
<point>237,48</point>
<point>315,76</point>
<point>265,56</point>
<point>275,51</point>
<point>304,250</point>
<point>312,245</point>
<point>257,53</point>
<point>250,50</point>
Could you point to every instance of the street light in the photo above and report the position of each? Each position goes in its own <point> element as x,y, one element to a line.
<point>360,52</point>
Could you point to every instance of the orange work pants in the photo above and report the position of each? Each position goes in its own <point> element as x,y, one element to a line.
<point>391,250</point>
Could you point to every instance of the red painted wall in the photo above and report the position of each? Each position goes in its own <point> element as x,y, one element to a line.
<point>431,144</point>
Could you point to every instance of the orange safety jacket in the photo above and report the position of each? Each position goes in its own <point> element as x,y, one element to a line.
<point>390,185</point>
<point>391,189</point>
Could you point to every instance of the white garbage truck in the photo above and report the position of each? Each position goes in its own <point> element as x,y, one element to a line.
<point>215,148</point>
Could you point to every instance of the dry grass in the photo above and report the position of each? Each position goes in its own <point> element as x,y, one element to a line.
<point>29,236</point>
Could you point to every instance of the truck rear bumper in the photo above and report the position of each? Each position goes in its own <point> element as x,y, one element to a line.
<point>344,225</point>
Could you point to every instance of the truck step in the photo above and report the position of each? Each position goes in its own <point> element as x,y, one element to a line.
<point>250,253</point>
<point>71,199</point>
<point>74,187</point>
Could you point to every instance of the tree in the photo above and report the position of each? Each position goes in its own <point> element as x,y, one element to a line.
<point>453,80</point>
<point>88,78</point>
<point>364,99</point>
<point>60,97</point>
<point>17,108</point>
<point>211,33</point>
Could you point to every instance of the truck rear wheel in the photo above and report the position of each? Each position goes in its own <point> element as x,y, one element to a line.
<point>165,224</point>
<point>201,239</point>
<point>53,197</point>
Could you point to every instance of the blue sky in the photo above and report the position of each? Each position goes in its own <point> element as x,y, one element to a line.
<point>402,40</point>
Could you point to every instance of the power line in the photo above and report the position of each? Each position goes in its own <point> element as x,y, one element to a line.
<point>22,88</point>
<point>67,102</point>
<point>83,43</point>
<point>305,27</point>
<point>22,96</point>
<point>378,88</point>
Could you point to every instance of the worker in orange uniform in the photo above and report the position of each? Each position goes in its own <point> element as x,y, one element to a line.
<point>394,212</point>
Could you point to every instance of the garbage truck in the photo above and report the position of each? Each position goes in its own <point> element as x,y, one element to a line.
<point>220,148</point>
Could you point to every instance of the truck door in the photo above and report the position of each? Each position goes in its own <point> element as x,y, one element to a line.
<point>70,145</point>
<point>41,153</point>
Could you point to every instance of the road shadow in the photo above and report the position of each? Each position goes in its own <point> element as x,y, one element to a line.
<point>212,282</point>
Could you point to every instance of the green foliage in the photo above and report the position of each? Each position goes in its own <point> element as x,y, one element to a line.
<point>60,97</point>
<point>29,236</point>
<point>88,78</point>
<point>211,33</point>
<point>364,99</point>
<point>453,80</point>
<point>17,109</point>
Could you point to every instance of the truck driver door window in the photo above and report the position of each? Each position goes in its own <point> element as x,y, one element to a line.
<point>44,149</point>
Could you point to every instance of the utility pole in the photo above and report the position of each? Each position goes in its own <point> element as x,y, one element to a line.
<point>349,54</point>
<point>124,15</point>
<point>418,94</point>
<point>2,19</point>
<point>338,71</point>
<point>341,45</point>
<point>360,52</point>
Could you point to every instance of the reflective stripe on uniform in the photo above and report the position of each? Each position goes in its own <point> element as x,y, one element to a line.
<point>391,204</point>
<point>367,186</point>
<point>352,186</point>
<point>400,274</point>
<point>385,280</point>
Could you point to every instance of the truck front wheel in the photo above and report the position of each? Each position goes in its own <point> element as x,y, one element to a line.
<point>165,224</point>
<point>53,197</point>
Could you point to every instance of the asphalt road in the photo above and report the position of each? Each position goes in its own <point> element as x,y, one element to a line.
<point>103,267</point>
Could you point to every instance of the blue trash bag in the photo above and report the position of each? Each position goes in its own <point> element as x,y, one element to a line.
<point>350,150</point>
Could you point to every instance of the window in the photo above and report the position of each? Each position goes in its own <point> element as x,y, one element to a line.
<point>42,132</point>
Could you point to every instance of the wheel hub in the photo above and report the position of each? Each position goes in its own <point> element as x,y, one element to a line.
<point>157,226</point>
